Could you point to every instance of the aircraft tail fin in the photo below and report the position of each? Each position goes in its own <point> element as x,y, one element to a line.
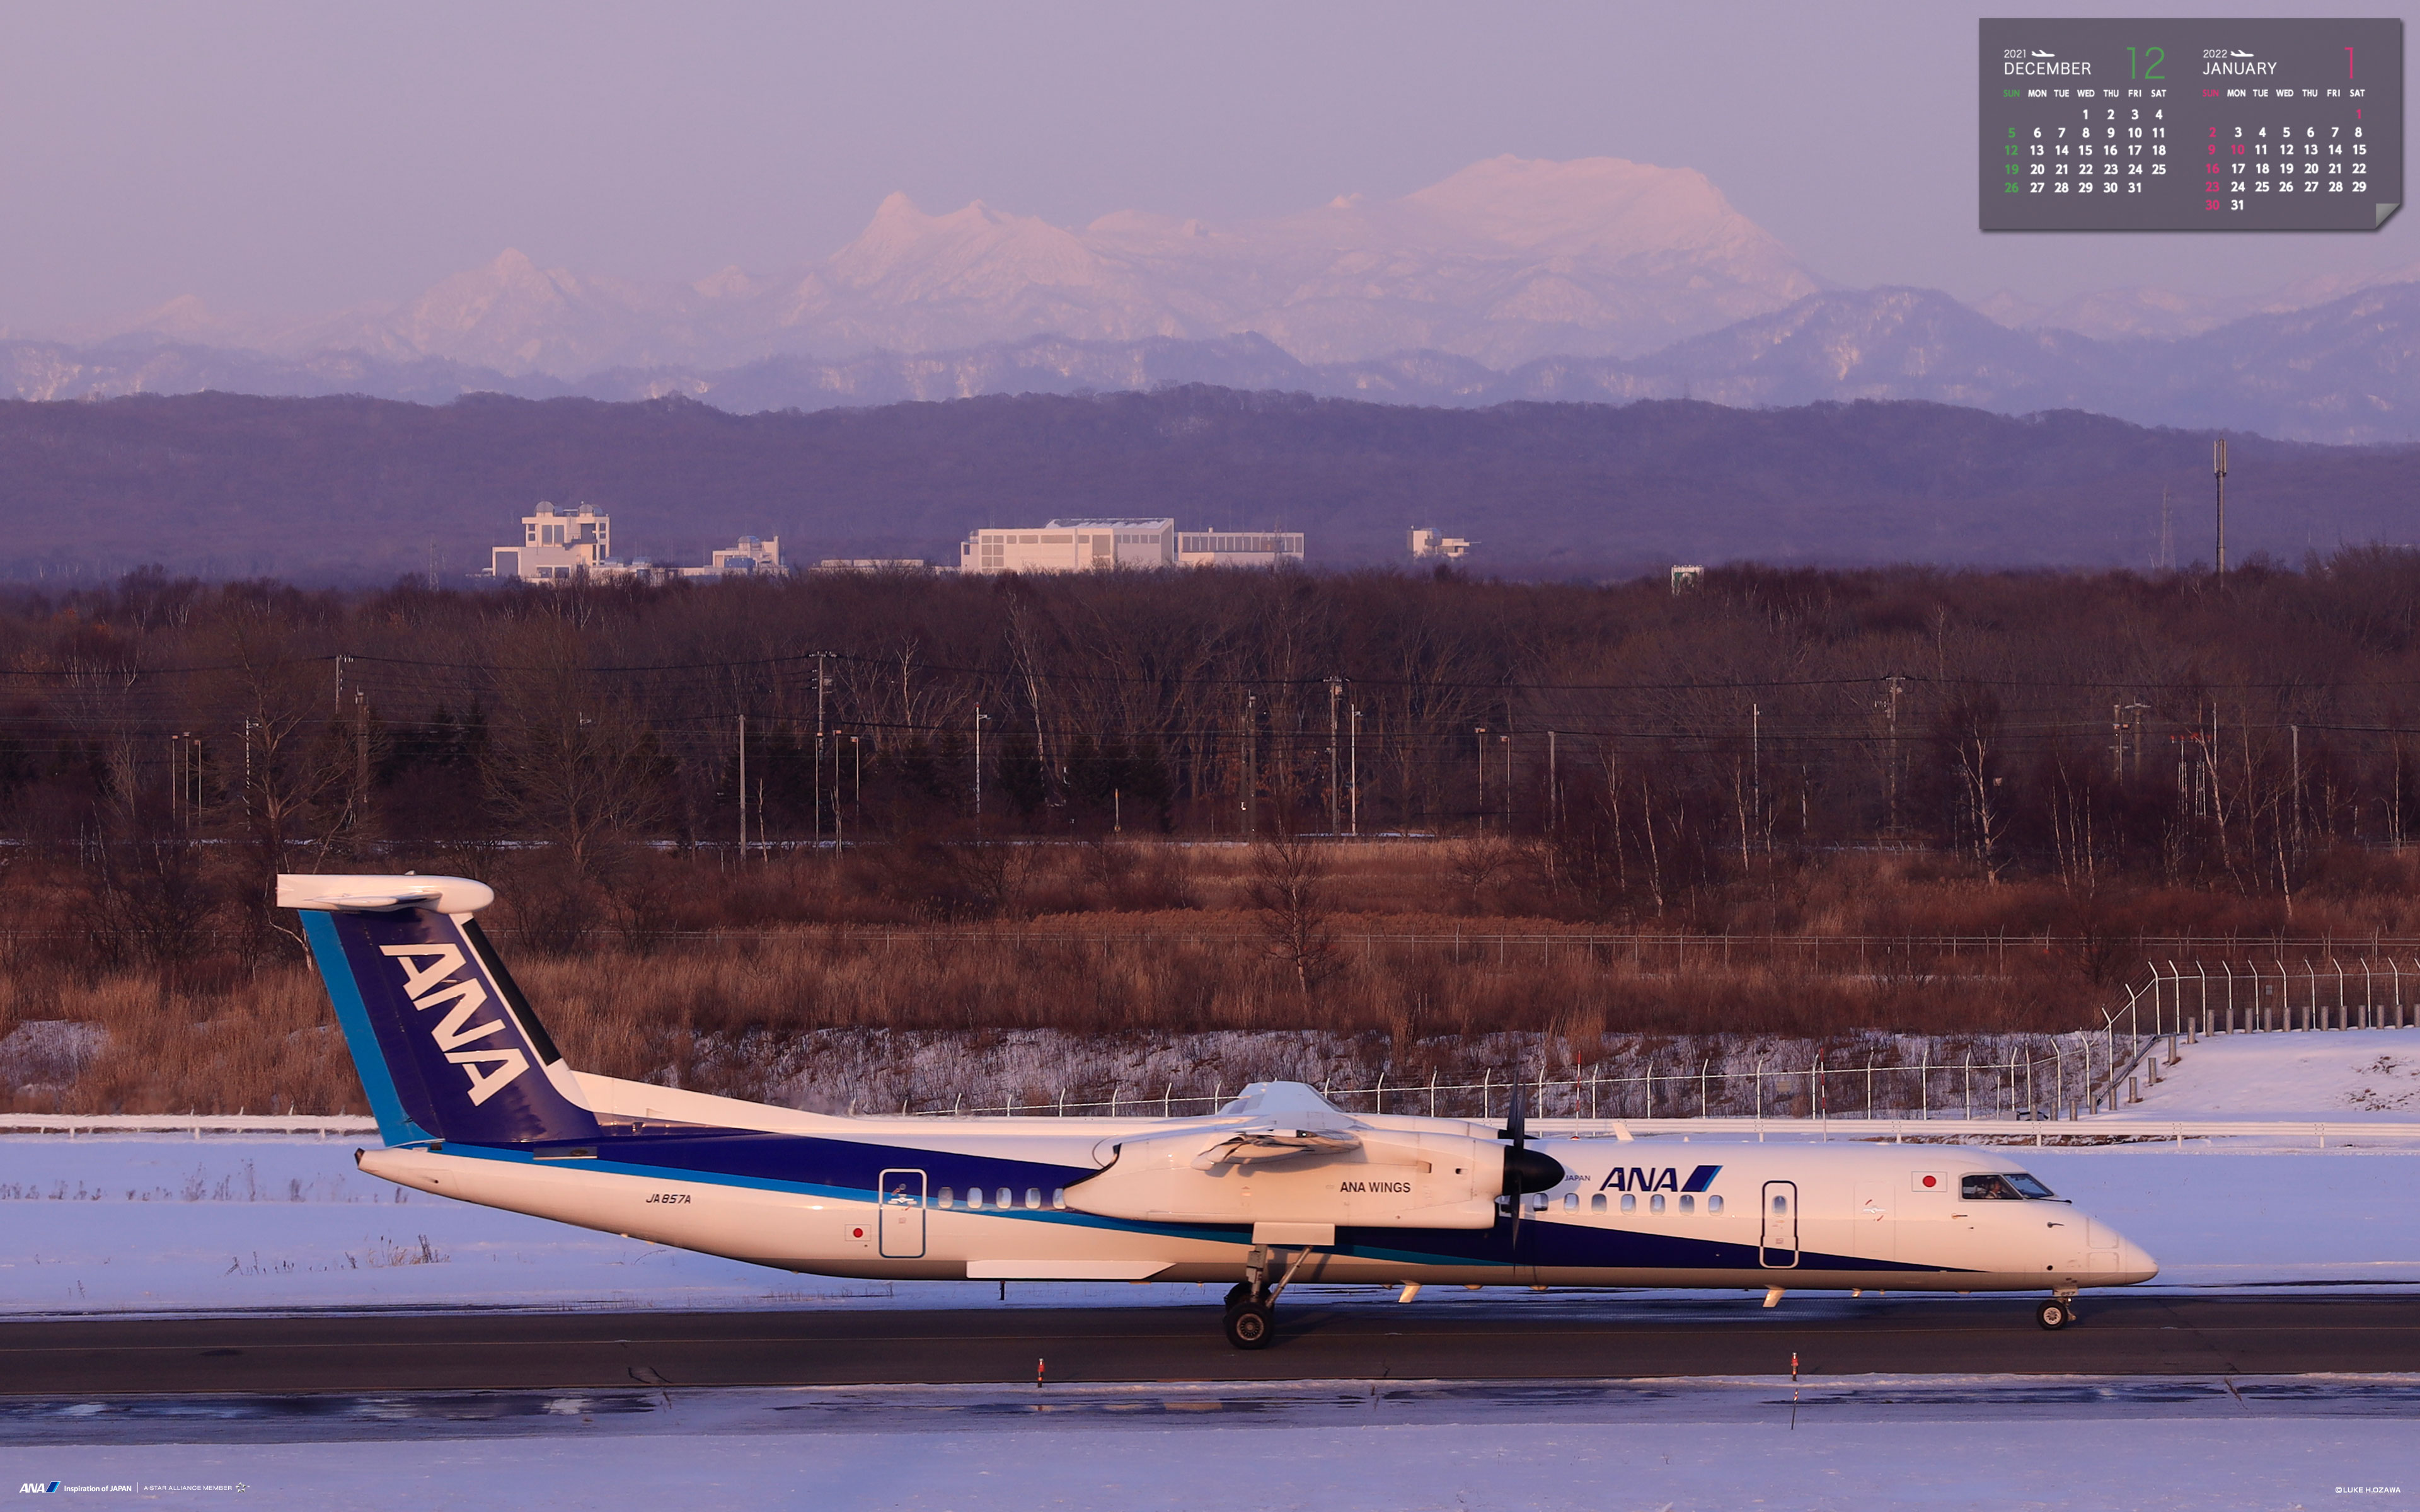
<point>447,1045</point>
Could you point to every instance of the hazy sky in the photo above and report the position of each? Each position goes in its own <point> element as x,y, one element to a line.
<point>291,158</point>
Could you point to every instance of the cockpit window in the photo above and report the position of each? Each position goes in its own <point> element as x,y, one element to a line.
<point>2028,1185</point>
<point>1987,1188</point>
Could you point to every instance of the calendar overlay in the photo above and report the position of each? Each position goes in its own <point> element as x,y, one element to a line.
<point>2169,125</point>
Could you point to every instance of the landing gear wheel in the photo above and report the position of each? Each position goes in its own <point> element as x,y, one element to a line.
<point>1249,1325</point>
<point>2054,1313</point>
<point>1238,1294</point>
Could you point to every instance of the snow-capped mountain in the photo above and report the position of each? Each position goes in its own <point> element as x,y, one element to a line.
<point>1507,260</point>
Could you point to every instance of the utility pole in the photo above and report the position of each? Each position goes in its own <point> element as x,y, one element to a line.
<point>1756,762</point>
<point>1891,777</point>
<point>979,723</point>
<point>2218,469</point>
<point>743,787</point>
<point>1478,735</point>
<point>1353,783</point>
<point>2296,731</point>
<point>1252,764</point>
<point>1554,787</point>
<point>1335,798</point>
<point>1506,741</point>
<point>822,681</point>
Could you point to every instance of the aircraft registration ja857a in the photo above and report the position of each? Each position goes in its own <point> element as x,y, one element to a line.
<point>473,1101</point>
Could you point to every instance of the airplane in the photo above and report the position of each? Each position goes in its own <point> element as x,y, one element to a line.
<point>474,1101</point>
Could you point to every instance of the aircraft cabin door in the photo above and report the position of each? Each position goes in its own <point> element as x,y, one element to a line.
<point>901,1227</point>
<point>1778,1249</point>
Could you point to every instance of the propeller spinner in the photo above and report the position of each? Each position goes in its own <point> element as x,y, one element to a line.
<point>1526,1170</point>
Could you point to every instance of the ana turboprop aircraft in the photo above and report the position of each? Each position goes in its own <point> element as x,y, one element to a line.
<point>473,1101</point>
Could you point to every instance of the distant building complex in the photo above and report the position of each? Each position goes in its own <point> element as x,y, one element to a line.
<point>1105,545</point>
<point>1426,542</point>
<point>563,546</point>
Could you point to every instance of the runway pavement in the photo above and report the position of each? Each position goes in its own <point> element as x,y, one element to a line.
<point>1533,1338</point>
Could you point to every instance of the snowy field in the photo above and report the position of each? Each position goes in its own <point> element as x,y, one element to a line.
<point>1321,1446</point>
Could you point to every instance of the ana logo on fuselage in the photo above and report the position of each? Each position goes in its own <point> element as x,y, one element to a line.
<point>1655,1178</point>
<point>425,969</point>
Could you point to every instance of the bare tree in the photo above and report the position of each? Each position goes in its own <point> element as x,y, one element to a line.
<point>1290,889</point>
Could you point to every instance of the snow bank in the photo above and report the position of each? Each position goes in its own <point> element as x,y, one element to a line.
<point>2337,1075</point>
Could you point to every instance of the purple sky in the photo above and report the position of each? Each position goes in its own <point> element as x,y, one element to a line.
<point>291,158</point>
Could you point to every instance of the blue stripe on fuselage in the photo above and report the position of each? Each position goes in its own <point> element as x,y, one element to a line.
<point>849,1171</point>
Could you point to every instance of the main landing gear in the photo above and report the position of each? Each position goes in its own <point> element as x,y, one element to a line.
<point>1252,1303</point>
<point>1250,1321</point>
<point>2056,1313</point>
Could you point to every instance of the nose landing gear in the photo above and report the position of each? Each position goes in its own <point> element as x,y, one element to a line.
<point>2056,1313</point>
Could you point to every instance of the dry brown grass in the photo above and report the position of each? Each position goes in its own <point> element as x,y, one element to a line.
<point>1436,948</point>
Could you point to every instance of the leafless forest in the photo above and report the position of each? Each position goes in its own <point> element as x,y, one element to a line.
<point>1402,814</point>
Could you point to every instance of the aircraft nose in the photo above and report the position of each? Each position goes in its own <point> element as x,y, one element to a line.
<point>2134,1262</point>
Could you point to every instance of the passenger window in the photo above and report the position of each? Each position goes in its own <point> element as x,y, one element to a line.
<point>1003,1200</point>
<point>1571,1202</point>
<point>1655,1203</point>
<point>1713,1205</point>
<point>974,1196</point>
<point>1033,1197</point>
<point>1630,1202</point>
<point>948,1197</point>
<point>1596,1203</point>
<point>1688,1203</point>
<point>1057,1196</point>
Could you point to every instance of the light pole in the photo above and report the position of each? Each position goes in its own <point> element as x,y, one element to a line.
<point>978,724</point>
<point>1335,691</point>
<point>1478,736</point>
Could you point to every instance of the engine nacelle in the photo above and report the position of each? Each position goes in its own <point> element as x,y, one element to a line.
<point>1384,1180</point>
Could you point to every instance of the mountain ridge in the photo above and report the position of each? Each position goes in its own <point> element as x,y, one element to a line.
<point>347,489</point>
<point>2347,372</point>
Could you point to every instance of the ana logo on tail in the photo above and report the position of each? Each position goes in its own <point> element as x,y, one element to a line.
<point>425,969</point>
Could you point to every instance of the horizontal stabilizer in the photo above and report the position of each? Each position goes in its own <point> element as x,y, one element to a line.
<point>381,894</point>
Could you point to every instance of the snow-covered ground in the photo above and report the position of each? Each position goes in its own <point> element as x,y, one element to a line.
<point>1339,1446</point>
<point>2337,1076</point>
<point>151,1223</point>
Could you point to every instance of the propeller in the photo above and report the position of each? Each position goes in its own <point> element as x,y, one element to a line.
<point>1526,1170</point>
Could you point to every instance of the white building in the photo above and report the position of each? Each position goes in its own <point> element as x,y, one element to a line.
<point>1426,542</point>
<point>556,545</point>
<point>1071,545</point>
<point>1240,548</point>
<point>748,558</point>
